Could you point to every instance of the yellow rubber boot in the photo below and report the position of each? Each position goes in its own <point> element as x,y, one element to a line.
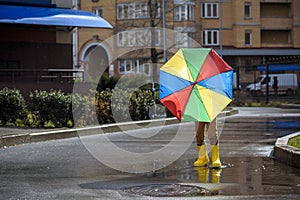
<point>215,158</point>
<point>203,158</point>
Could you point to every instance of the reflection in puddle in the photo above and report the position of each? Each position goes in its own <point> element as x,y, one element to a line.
<point>168,190</point>
<point>207,175</point>
<point>247,168</point>
<point>243,176</point>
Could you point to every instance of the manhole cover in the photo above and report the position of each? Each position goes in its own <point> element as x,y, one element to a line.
<point>168,190</point>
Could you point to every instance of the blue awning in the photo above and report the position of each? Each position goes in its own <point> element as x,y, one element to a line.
<point>279,68</point>
<point>13,14</point>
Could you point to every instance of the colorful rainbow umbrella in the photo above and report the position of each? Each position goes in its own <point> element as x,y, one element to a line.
<point>196,84</point>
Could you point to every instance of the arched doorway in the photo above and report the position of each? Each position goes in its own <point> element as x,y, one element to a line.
<point>95,59</point>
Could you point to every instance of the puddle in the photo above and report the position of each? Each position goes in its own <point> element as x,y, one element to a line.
<point>168,190</point>
<point>238,176</point>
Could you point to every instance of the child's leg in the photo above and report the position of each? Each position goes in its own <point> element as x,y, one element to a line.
<point>214,138</point>
<point>203,158</point>
<point>213,132</point>
<point>200,132</point>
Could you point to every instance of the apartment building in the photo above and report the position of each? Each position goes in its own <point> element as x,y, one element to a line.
<point>245,32</point>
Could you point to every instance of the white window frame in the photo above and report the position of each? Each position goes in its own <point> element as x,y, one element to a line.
<point>208,37</point>
<point>184,12</point>
<point>134,38</point>
<point>148,67</point>
<point>183,40</point>
<point>210,8</point>
<point>249,6</point>
<point>125,66</point>
<point>135,10</point>
<point>144,10</point>
<point>131,38</point>
<point>98,11</point>
<point>122,11</point>
<point>158,36</point>
<point>248,33</point>
<point>133,66</point>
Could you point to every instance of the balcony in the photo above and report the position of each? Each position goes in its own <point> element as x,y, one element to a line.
<point>276,1</point>
<point>276,23</point>
<point>41,75</point>
<point>276,38</point>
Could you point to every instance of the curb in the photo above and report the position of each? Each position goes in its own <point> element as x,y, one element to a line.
<point>290,106</point>
<point>285,153</point>
<point>12,140</point>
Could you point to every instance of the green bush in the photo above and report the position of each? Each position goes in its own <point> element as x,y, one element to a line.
<point>84,110</point>
<point>106,82</point>
<point>52,108</point>
<point>103,108</point>
<point>13,106</point>
<point>56,109</point>
<point>123,105</point>
<point>141,101</point>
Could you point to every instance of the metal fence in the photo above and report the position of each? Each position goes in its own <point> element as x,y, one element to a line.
<point>271,79</point>
<point>40,75</point>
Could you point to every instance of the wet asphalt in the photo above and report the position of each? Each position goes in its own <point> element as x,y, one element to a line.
<point>68,169</point>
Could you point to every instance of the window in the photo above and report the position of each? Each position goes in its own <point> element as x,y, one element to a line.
<point>143,69</point>
<point>122,11</point>
<point>184,39</point>
<point>248,37</point>
<point>247,10</point>
<point>210,10</point>
<point>133,66</point>
<point>184,12</point>
<point>141,37</point>
<point>125,65</point>
<point>141,10</point>
<point>137,10</point>
<point>98,11</point>
<point>210,37</point>
<point>146,68</point>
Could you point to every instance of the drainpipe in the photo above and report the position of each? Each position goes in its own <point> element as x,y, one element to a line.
<point>75,6</point>
<point>164,29</point>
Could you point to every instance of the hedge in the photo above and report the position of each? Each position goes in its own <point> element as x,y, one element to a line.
<point>52,107</point>
<point>56,109</point>
<point>13,106</point>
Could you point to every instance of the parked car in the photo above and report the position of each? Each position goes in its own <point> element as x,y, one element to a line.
<point>278,84</point>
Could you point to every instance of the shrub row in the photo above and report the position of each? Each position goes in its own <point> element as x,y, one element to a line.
<point>56,109</point>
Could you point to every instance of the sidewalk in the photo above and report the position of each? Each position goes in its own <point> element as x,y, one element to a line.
<point>73,171</point>
<point>10,136</point>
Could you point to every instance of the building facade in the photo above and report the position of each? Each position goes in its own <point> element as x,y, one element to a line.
<point>37,43</point>
<point>247,33</point>
<point>27,51</point>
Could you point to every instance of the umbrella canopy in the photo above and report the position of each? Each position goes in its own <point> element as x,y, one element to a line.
<point>16,14</point>
<point>196,84</point>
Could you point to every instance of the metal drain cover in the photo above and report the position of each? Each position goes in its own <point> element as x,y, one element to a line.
<point>168,190</point>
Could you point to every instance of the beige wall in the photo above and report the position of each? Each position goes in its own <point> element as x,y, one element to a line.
<point>296,24</point>
<point>296,36</point>
<point>234,23</point>
<point>63,37</point>
<point>87,36</point>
